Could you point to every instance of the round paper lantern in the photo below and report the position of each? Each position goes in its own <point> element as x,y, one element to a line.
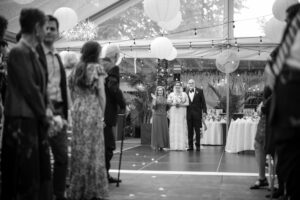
<point>161,10</point>
<point>173,54</point>
<point>161,47</point>
<point>280,6</point>
<point>67,18</point>
<point>23,1</point>
<point>274,30</point>
<point>173,24</point>
<point>228,61</point>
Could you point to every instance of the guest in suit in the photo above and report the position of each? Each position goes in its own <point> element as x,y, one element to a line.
<point>195,110</point>
<point>115,99</point>
<point>57,93</point>
<point>25,158</point>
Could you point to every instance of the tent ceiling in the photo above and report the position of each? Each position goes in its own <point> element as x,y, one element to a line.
<point>95,10</point>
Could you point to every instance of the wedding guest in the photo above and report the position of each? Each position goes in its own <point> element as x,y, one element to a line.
<point>195,112</point>
<point>25,158</point>
<point>178,100</point>
<point>88,178</point>
<point>115,99</point>
<point>57,93</point>
<point>259,144</point>
<point>285,108</point>
<point>159,131</point>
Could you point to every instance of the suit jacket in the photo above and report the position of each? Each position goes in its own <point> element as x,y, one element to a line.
<point>114,97</point>
<point>26,89</point>
<point>197,106</point>
<point>63,80</point>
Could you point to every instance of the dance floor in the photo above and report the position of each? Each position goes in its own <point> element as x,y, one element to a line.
<point>210,174</point>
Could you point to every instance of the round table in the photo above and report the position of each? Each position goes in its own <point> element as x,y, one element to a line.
<point>241,135</point>
<point>214,133</point>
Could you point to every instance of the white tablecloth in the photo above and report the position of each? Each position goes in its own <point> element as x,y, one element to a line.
<point>241,135</point>
<point>214,133</point>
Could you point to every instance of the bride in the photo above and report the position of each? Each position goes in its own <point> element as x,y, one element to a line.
<point>178,100</point>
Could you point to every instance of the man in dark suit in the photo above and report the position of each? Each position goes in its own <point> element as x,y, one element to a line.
<point>195,110</point>
<point>25,158</point>
<point>58,98</point>
<point>114,100</point>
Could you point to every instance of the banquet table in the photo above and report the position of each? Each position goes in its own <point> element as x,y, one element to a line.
<point>214,133</point>
<point>241,135</point>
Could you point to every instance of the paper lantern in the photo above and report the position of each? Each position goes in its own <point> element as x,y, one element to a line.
<point>161,10</point>
<point>173,24</point>
<point>161,47</point>
<point>67,18</point>
<point>280,6</point>
<point>228,61</point>
<point>173,54</point>
<point>23,1</point>
<point>274,30</point>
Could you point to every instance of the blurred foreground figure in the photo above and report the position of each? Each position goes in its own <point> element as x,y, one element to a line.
<point>25,159</point>
<point>285,108</point>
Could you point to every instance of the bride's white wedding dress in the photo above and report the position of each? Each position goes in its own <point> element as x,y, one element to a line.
<point>178,125</point>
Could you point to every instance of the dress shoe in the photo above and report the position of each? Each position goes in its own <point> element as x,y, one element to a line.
<point>114,180</point>
<point>259,184</point>
<point>198,149</point>
<point>190,149</point>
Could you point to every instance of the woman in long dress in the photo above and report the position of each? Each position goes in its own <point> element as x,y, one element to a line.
<point>178,100</point>
<point>160,132</point>
<point>88,178</point>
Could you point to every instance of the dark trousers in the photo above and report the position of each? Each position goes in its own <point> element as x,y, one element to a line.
<point>59,148</point>
<point>287,147</point>
<point>25,160</point>
<point>194,124</point>
<point>110,146</point>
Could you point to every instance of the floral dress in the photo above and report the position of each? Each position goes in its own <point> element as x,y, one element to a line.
<point>88,176</point>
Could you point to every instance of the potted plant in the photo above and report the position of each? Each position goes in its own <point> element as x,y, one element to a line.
<point>145,85</point>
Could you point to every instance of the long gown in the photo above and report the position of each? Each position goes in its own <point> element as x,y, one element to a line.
<point>160,132</point>
<point>178,125</point>
<point>88,176</point>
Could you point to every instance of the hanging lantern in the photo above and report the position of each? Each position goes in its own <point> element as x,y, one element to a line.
<point>228,61</point>
<point>161,10</point>
<point>280,6</point>
<point>274,30</point>
<point>173,54</point>
<point>23,1</point>
<point>173,24</point>
<point>67,18</point>
<point>161,47</point>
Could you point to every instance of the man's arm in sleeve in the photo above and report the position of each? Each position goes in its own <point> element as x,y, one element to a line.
<point>203,103</point>
<point>114,90</point>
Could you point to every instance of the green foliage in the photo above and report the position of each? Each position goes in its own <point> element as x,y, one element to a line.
<point>236,102</point>
<point>133,23</point>
<point>143,100</point>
